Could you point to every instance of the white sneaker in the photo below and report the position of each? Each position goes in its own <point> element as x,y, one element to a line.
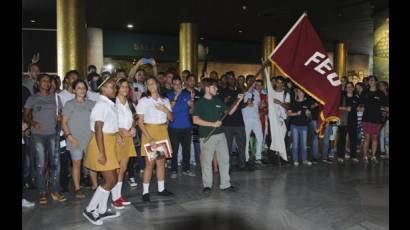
<point>132,182</point>
<point>188,173</point>
<point>355,160</point>
<point>340,160</point>
<point>307,163</point>
<point>174,175</point>
<point>27,204</point>
<point>295,163</point>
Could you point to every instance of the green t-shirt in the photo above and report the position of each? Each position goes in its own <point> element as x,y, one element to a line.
<point>209,110</point>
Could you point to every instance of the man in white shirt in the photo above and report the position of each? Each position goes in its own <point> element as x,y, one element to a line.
<point>281,100</point>
<point>252,122</point>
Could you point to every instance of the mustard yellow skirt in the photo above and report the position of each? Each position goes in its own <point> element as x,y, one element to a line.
<point>91,157</point>
<point>127,149</point>
<point>158,132</point>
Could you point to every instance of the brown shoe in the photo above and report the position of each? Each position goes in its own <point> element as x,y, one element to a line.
<point>58,197</point>
<point>79,194</point>
<point>43,198</point>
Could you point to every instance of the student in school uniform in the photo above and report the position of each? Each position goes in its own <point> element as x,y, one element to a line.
<point>126,131</point>
<point>154,111</point>
<point>102,153</point>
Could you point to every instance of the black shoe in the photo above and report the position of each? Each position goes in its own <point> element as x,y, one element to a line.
<point>109,214</point>
<point>64,190</point>
<point>145,198</point>
<point>207,190</point>
<point>314,161</point>
<point>230,189</point>
<point>165,193</point>
<point>93,216</point>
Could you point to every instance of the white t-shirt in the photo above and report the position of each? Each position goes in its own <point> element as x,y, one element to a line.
<point>125,118</point>
<point>281,97</point>
<point>146,107</point>
<point>105,111</point>
<point>93,96</point>
<point>251,112</point>
<point>66,96</point>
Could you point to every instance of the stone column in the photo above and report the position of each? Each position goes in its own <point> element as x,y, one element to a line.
<point>188,47</point>
<point>95,54</point>
<point>71,37</point>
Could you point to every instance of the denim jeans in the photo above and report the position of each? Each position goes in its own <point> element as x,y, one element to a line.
<point>299,136</point>
<point>45,152</point>
<point>326,140</point>
<point>315,139</point>
<point>26,157</point>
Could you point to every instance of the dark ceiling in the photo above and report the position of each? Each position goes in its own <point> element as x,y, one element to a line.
<point>335,20</point>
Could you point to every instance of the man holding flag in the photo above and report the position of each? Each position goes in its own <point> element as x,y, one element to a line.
<point>302,58</point>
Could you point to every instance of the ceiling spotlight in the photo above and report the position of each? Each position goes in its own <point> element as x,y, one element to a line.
<point>130,26</point>
<point>240,31</point>
<point>32,21</point>
<point>244,7</point>
<point>202,38</point>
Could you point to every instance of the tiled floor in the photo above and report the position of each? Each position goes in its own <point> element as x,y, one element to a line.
<point>348,197</point>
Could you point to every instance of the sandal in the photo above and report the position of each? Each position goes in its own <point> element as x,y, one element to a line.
<point>79,194</point>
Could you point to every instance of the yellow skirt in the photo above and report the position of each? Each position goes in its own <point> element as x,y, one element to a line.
<point>91,158</point>
<point>127,149</point>
<point>158,132</point>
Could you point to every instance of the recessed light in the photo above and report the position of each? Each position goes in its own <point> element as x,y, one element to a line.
<point>32,21</point>
<point>244,7</point>
<point>240,31</point>
<point>202,38</point>
<point>130,26</point>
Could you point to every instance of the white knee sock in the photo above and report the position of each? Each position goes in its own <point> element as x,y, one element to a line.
<point>116,191</point>
<point>102,206</point>
<point>95,200</point>
<point>161,186</point>
<point>145,188</point>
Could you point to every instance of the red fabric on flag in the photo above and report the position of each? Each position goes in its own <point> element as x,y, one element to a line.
<point>296,56</point>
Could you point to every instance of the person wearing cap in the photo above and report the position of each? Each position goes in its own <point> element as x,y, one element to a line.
<point>102,153</point>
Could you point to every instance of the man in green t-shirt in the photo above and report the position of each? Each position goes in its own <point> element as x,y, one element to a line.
<point>207,113</point>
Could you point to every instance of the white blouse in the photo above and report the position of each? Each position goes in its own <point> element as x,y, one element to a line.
<point>105,111</point>
<point>125,118</point>
<point>146,107</point>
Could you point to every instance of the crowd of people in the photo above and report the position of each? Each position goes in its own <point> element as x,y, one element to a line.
<point>94,131</point>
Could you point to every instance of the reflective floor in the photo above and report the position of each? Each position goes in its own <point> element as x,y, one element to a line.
<point>349,196</point>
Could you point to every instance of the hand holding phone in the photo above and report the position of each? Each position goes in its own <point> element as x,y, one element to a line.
<point>146,61</point>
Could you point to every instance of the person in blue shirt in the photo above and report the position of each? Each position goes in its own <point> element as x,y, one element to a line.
<point>180,130</point>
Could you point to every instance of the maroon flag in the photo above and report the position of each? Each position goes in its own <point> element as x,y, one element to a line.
<point>301,57</point>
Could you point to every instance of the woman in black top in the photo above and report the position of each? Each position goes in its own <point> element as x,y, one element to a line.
<point>374,101</point>
<point>300,116</point>
<point>348,105</point>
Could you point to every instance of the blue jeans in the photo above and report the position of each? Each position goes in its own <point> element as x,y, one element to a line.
<point>26,161</point>
<point>299,136</point>
<point>315,139</point>
<point>45,152</point>
<point>326,140</point>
